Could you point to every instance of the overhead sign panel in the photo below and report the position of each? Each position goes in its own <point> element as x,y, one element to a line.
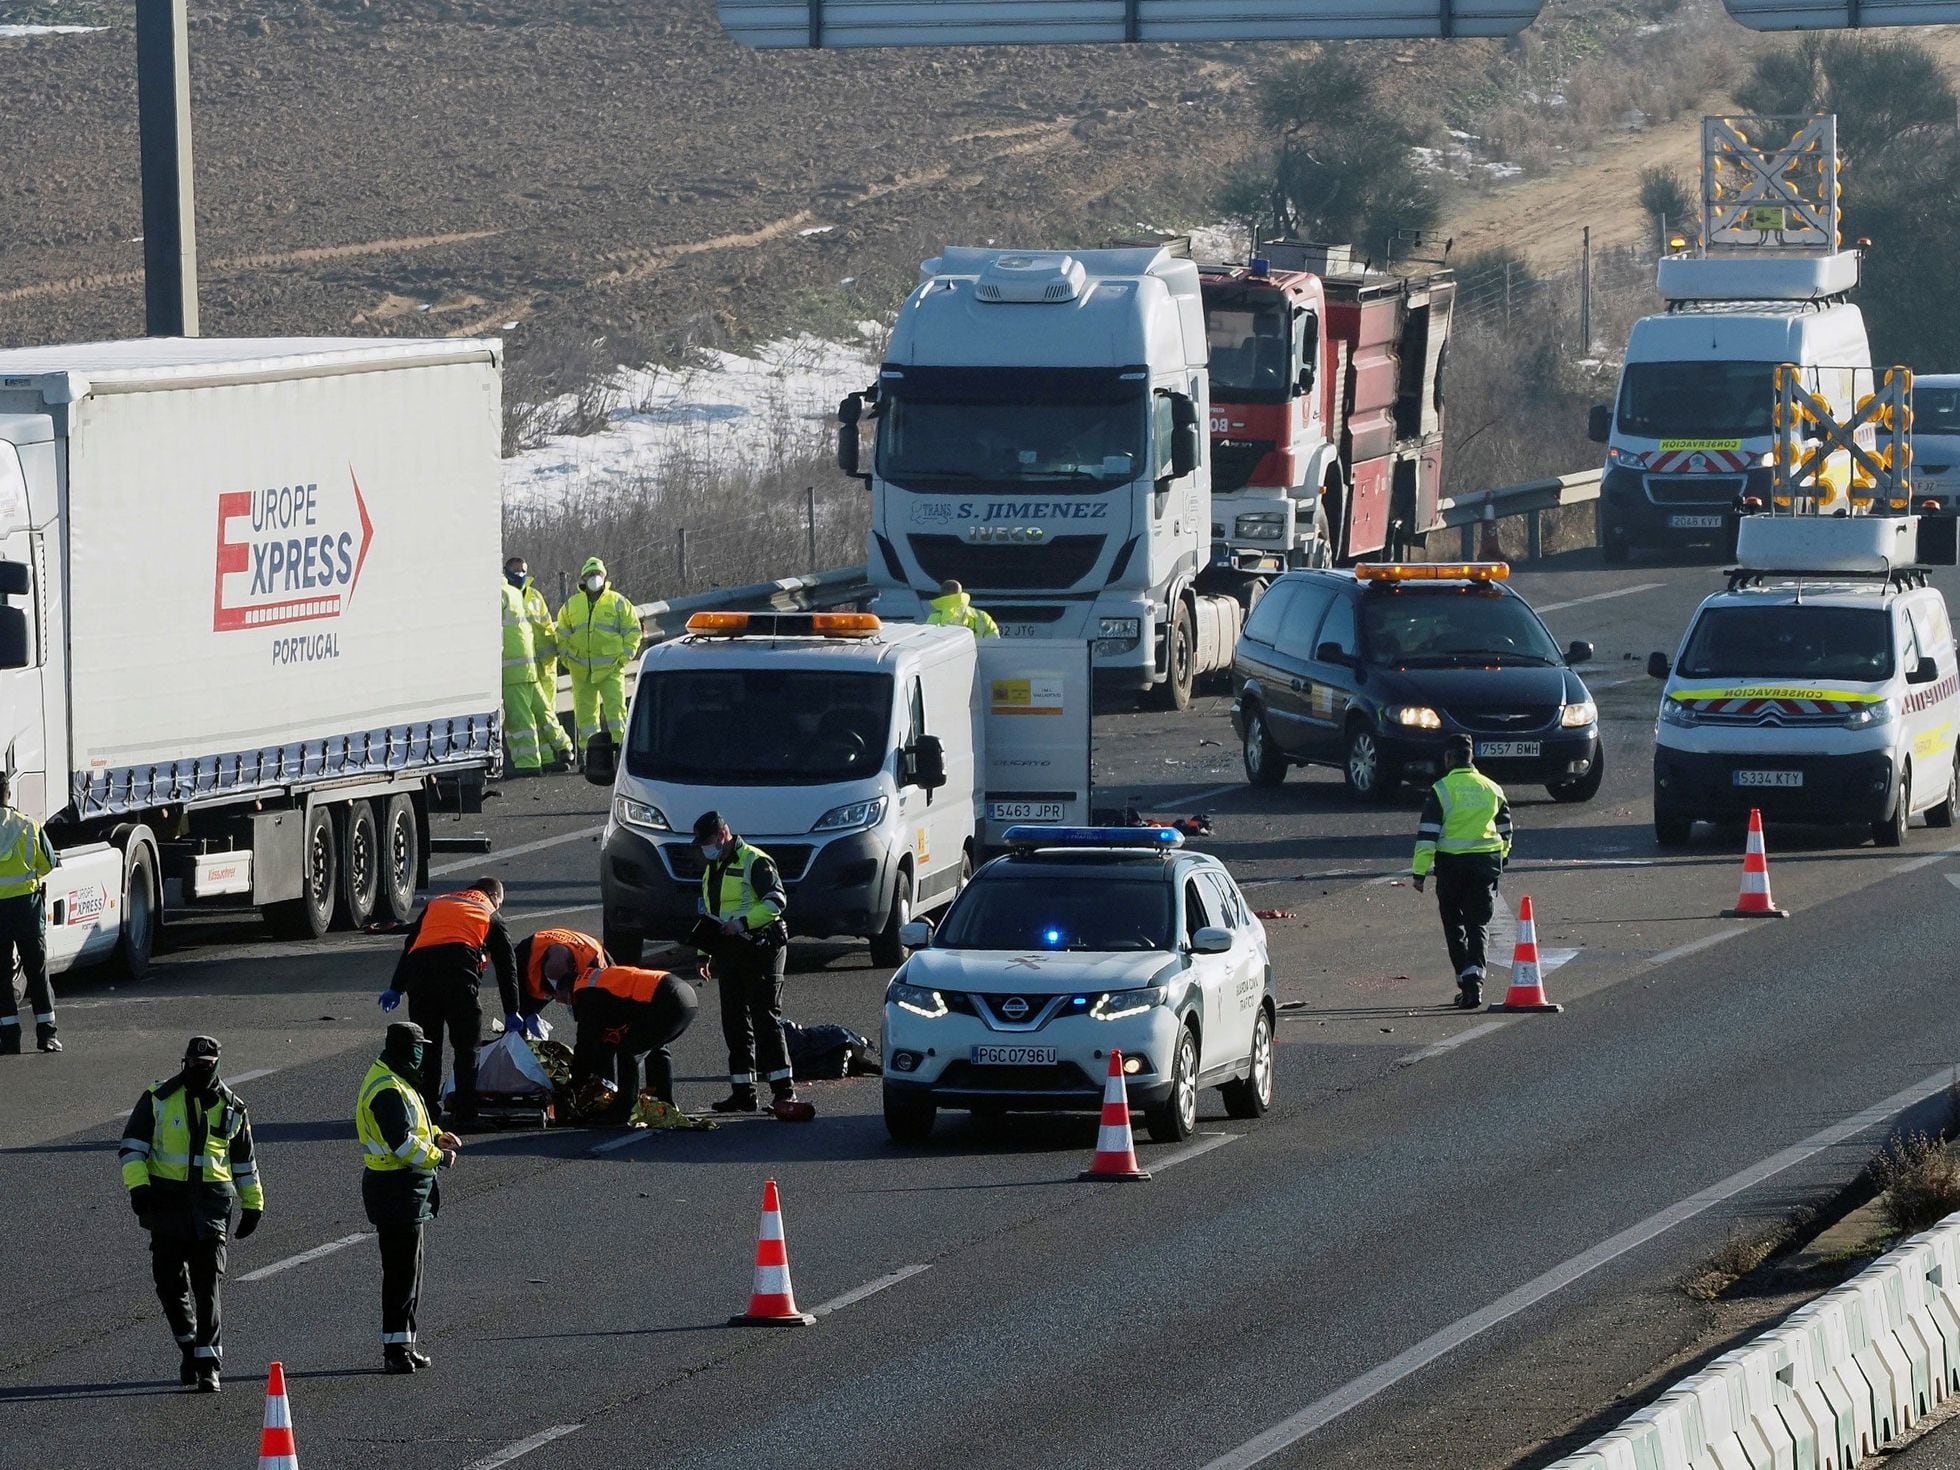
<point>807,24</point>
<point>1837,15</point>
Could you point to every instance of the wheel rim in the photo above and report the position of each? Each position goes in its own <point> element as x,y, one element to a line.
<point>1362,761</point>
<point>319,874</point>
<point>361,860</point>
<point>1186,1085</point>
<point>1181,652</point>
<point>1255,746</point>
<point>1262,1061</point>
<point>401,858</point>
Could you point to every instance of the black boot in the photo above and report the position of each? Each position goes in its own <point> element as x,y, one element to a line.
<point>741,1100</point>
<point>44,1036</point>
<point>398,1360</point>
<point>1469,990</point>
<point>187,1370</point>
<point>9,1041</point>
<point>420,1359</point>
<point>207,1379</point>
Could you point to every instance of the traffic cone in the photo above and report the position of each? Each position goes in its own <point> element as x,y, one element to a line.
<point>1527,992</point>
<point>276,1450</point>
<point>1116,1151</point>
<point>1754,901</point>
<point>772,1303</point>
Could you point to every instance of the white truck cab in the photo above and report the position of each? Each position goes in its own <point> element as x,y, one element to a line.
<point>1820,687</point>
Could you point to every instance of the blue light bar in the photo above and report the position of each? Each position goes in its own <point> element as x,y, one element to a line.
<point>1160,839</point>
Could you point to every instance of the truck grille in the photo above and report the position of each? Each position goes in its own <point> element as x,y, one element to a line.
<point>684,860</point>
<point>1058,563</point>
<point>1709,490</point>
<point>1234,460</point>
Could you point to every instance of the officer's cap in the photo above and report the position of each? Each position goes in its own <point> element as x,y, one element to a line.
<point>202,1049</point>
<point>404,1034</point>
<point>708,824</point>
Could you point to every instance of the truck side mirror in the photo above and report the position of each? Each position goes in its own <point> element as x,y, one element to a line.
<point>1580,652</point>
<point>848,413</point>
<point>927,763</point>
<point>1187,441</point>
<point>1657,666</point>
<point>1599,423</point>
<point>1306,378</point>
<point>13,639</point>
<point>13,579</point>
<point>601,759</point>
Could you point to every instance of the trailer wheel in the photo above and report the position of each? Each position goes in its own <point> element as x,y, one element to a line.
<point>398,850</point>
<point>142,911</point>
<point>311,914</point>
<point>360,866</point>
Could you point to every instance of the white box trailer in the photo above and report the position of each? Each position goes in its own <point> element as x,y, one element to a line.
<point>251,638</point>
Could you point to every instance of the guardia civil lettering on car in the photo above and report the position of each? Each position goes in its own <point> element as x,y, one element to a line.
<point>1076,943</point>
<point>1820,686</point>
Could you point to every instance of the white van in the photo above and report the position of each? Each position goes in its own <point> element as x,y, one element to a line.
<point>1820,687</point>
<point>853,751</point>
<point>1689,433</point>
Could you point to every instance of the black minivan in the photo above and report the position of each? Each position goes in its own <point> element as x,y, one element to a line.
<point>1371,669</point>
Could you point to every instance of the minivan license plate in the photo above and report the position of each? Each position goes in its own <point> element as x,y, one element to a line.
<point>1025,811</point>
<point>1769,778</point>
<point>1695,523</point>
<point>1013,1056</point>
<point>1499,749</point>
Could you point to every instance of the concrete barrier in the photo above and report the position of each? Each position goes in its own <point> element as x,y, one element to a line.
<point>1838,1379</point>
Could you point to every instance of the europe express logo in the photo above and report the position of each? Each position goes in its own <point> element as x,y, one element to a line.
<point>288,554</point>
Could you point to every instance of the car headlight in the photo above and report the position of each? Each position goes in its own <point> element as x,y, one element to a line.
<point>1414,716</point>
<point>1865,716</point>
<point>929,1004</point>
<point>641,814</point>
<point>1117,1005</point>
<point>852,817</point>
<point>1119,627</point>
<point>1578,716</point>
<point>1674,712</point>
<point>1260,525</point>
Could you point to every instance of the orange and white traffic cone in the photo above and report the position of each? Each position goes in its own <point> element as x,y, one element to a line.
<point>1527,992</point>
<point>1116,1150</point>
<point>276,1450</point>
<point>1754,901</point>
<point>772,1303</point>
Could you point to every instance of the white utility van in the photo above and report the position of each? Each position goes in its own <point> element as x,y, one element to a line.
<point>1688,436</point>
<point>1820,687</point>
<point>855,752</point>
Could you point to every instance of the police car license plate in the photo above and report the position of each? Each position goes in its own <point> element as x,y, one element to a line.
<point>1498,749</point>
<point>1013,1056</point>
<point>1025,811</point>
<point>1769,778</point>
<point>1695,523</point>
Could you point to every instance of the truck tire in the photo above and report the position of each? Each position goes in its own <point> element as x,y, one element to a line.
<point>886,950</point>
<point>142,914</point>
<point>360,866</point>
<point>311,914</point>
<point>399,851</point>
<point>1180,660</point>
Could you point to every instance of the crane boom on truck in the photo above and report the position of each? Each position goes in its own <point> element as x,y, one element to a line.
<point>1326,408</point>
<point>258,644</point>
<point>1039,437</point>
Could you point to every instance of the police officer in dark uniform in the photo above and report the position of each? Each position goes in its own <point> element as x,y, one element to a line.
<point>451,941</point>
<point>186,1157</point>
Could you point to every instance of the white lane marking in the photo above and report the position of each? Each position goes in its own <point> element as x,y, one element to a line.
<point>1915,864</point>
<point>1157,1163</point>
<point>870,1288</point>
<point>1545,607</point>
<point>304,1256</point>
<point>633,1136</point>
<point>121,1118</point>
<point>1192,798</point>
<point>1696,946</point>
<point>570,908</point>
<point>1616,683</point>
<point>1352,1395</point>
<point>1450,1043</point>
<point>523,1447</point>
<point>483,859</point>
<point>1954,879</point>
<point>133,1000</point>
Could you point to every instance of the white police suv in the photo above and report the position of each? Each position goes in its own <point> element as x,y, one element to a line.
<point>1080,941</point>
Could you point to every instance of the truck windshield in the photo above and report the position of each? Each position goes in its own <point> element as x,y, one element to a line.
<point>754,727</point>
<point>1063,429</point>
<point>1250,349</point>
<point>1429,629</point>
<point>1789,642</point>
<point>1050,910</point>
<point>1697,400</point>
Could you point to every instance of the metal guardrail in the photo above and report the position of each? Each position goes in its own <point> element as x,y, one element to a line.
<point>1531,499</point>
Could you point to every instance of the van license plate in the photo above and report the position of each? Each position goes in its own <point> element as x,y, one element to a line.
<point>1695,523</point>
<point>1499,749</point>
<point>1013,1056</point>
<point>1025,811</point>
<point>1769,778</point>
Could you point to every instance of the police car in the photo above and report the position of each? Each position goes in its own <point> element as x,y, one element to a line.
<point>1078,942</point>
<point>1820,687</point>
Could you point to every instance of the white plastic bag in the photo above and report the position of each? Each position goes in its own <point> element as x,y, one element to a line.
<point>506,1064</point>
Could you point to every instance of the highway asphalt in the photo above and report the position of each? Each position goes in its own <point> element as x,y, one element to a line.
<point>1453,1239</point>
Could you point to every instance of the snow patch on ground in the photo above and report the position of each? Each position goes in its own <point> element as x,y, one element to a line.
<point>777,405</point>
<point>9,32</point>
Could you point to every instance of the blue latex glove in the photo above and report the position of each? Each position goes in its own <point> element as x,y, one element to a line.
<point>390,999</point>
<point>513,1024</point>
<point>533,1029</point>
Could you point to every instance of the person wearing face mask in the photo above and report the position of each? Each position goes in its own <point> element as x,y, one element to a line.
<point>524,714</point>
<point>186,1157</point>
<point>548,963</point>
<point>742,933</point>
<point>598,635</point>
<point>400,1153</point>
<point>555,746</point>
